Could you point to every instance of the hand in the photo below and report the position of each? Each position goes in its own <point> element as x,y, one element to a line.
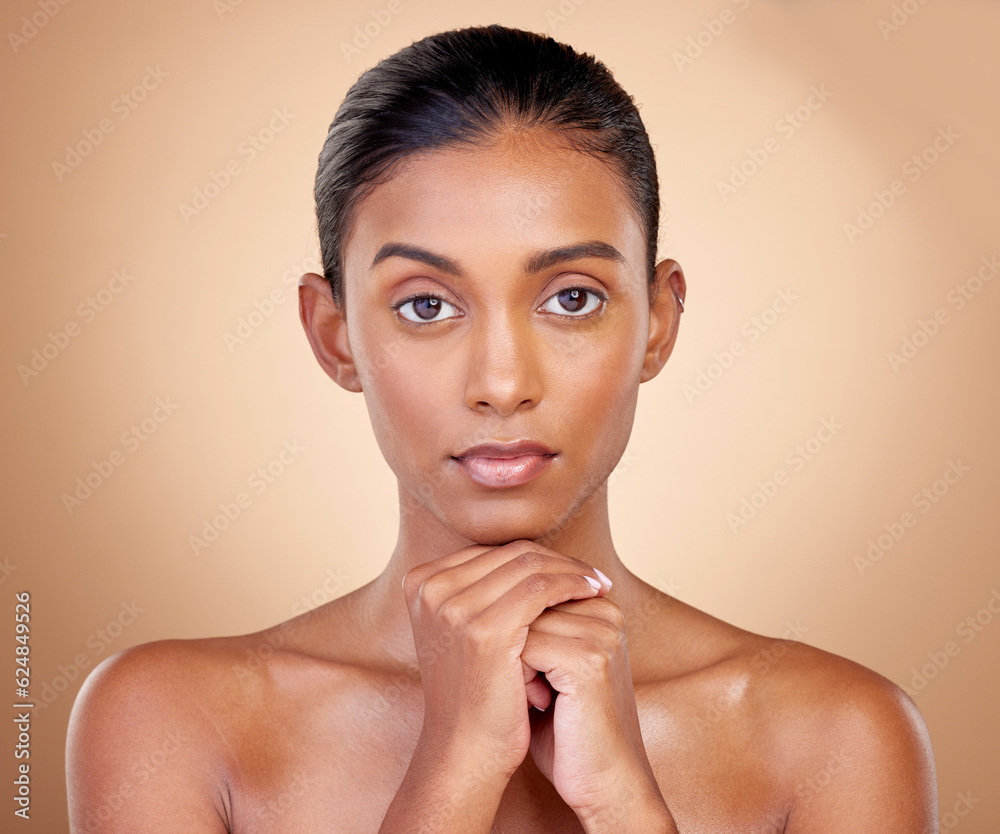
<point>470,612</point>
<point>588,742</point>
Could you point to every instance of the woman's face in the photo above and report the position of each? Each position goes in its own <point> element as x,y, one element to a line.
<point>507,352</point>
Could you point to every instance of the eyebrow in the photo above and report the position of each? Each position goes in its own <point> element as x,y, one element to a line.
<point>535,262</point>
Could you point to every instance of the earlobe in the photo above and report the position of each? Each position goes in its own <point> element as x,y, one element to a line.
<point>665,308</point>
<point>326,328</point>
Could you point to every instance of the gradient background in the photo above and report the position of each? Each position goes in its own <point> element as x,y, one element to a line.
<point>326,524</point>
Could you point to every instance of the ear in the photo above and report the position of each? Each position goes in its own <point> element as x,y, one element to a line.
<point>669,289</point>
<point>325,324</point>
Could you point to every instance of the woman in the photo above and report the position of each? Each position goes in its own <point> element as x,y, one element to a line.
<point>488,209</point>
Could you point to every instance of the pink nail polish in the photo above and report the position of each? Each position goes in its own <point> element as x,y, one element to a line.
<point>593,582</point>
<point>604,578</point>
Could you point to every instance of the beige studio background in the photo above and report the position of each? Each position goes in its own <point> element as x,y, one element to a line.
<point>829,178</point>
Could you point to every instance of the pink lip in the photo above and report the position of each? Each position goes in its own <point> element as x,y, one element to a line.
<point>506,471</point>
<point>505,450</point>
<point>505,464</point>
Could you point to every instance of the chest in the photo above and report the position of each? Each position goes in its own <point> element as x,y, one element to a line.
<point>338,768</point>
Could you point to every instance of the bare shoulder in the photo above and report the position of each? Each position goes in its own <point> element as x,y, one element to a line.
<point>163,736</point>
<point>143,731</point>
<point>843,747</point>
<point>852,743</point>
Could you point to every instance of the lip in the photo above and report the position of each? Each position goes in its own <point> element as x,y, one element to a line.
<point>505,464</point>
<point>506,450</point>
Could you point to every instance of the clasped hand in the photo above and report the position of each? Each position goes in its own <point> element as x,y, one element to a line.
<point>486,621</point>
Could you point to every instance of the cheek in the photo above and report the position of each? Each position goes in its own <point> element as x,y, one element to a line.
<point>597,376</point>
<point>406,397</point>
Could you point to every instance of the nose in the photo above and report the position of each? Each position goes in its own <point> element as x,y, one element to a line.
<point>504,371</point>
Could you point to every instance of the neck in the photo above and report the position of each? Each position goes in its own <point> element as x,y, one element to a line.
<point>585,535</point>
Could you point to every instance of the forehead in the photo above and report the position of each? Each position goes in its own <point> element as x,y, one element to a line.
<point>524,192</point>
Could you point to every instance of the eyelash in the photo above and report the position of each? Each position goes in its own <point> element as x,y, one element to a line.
<point>422,295</point>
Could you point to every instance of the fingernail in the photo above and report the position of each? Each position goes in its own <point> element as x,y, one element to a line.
<point>604,579</point>
<point>538,707</point>
<point>596,585</point>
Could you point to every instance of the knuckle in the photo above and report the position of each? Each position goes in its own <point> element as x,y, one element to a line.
<point>478,630</point>
<point>613,637</point>
<point>433,590</point>
<point>451,614</point>
<point>614,615</point>
<point>530,559</point>
<point>596,659</point>
<point>609,612</point>
<point>538,583</point>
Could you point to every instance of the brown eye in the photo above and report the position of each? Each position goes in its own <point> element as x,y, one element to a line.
<point>576,302</point>
<point>424,309</point>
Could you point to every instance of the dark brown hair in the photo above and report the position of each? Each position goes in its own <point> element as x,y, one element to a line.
<point>466,86</point>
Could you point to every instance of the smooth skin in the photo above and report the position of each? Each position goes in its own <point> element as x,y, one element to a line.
<point>409,704</point>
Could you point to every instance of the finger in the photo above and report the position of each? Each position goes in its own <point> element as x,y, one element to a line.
<point>573,615</point>
<point>508,600</point>
<point>470,564</point>
<point>538,693</point>
<point>577,655</point>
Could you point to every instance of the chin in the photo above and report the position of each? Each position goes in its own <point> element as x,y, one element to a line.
<point>494,532</point>
<point>494,536</point>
